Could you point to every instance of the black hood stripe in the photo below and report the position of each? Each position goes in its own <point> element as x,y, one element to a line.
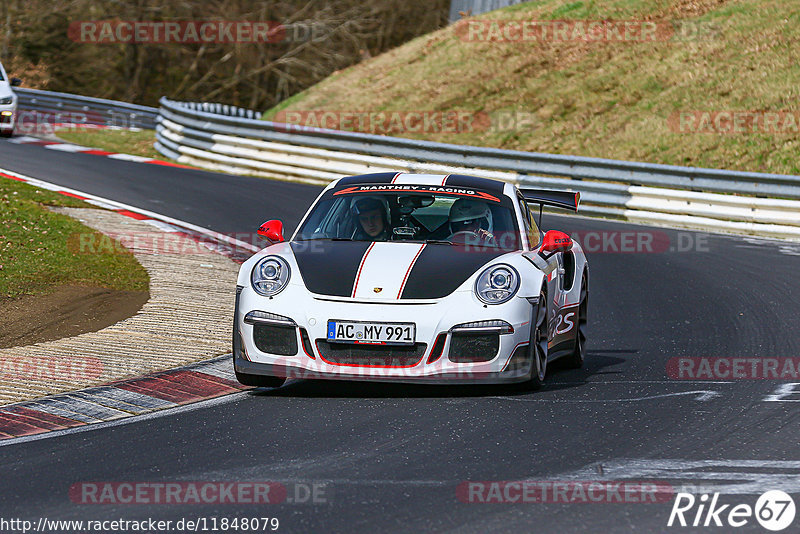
<point>441,269</point>
<point>329,267</point>
<point>408,271</point>
<point>332,267</point>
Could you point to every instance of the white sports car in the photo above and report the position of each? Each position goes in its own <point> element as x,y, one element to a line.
<point>8,103</point>
<point>413,278</point>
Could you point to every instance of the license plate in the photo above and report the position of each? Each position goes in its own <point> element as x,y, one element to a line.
<point>371,332</point>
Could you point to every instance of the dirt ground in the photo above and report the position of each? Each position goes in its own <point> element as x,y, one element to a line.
<point>68,311</point>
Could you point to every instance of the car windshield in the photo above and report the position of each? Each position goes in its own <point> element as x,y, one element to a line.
<point>468,218</point>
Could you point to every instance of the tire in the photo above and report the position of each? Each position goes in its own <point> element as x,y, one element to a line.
<point>578,356</point>
<point>537,346</point>
<point>259,381</point>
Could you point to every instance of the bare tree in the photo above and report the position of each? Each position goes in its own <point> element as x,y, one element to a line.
<point>315,38</point>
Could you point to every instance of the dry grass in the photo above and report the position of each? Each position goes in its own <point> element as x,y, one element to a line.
<point>602,99</point>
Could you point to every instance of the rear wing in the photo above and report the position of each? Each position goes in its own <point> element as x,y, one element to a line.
<point>557,199</point>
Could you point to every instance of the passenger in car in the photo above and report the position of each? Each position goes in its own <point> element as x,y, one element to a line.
<point>471,222</point>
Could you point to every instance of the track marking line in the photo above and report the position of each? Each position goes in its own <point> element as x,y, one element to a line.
<point>133,419</point>
<point>155,393</point>
<point>79,149</point>
<point>702,396</point>
<point>129,210</point>
<point>728,477</point>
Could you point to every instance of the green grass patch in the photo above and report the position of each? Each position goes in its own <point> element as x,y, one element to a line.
<point>138,143</point>
<point>572,10</point>
<point>39,252</point>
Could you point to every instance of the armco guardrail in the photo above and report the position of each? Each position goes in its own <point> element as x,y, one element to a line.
<point>234,141</point>
<point>476,7</point>
<point>38,108</point>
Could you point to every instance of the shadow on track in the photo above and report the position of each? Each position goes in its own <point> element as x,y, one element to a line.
<point>596,361</point>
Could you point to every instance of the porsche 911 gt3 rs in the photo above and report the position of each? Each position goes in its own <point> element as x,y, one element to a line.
<point>414,278</point>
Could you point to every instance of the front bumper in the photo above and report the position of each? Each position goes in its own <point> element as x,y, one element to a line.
<point>434,321</point>
<point>8,117</point>
<point>456,377</point>
<point>6,123</point>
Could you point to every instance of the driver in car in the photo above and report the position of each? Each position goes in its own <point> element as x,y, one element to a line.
<point>470,222</point>
<point>373,224</point>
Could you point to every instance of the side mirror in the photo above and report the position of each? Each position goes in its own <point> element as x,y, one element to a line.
<point>272,230</point>
<point>15,82</point>
<point>555,241</point>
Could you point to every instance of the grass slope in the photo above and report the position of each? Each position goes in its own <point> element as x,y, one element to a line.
<point>602,99</point>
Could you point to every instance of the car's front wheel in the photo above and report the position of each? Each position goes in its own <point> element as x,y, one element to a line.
<point>537,346</point>
<point>259,381</point>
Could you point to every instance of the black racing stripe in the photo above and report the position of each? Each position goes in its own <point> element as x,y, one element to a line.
<point>473,182</point>
<point>374,178</point>
<point>440,269</point>
<point>329,267</point>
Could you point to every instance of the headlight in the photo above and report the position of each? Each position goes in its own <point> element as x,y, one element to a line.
<point>270,275</point>
<point>7,100</point>
<point>497,284</point>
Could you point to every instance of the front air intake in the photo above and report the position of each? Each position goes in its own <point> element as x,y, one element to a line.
<point>438,348</point>
<point>371,355</point>
<point>280,340</point>
<point>473,348</point>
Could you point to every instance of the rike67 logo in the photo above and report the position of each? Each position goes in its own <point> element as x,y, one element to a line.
<point>774,510</point>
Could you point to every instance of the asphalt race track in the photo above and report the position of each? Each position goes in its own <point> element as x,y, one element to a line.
<point>391,458</point>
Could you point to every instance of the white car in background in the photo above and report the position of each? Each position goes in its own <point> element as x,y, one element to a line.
<point>8,103</point>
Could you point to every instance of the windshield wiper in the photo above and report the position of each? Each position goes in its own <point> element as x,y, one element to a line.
<point>438,242</point>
